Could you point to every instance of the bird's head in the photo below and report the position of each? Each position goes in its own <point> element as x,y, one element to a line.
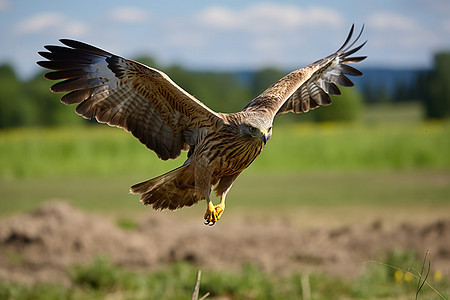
<point>256,128</point>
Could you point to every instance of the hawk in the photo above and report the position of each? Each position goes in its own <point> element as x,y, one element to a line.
<point>168,120</point>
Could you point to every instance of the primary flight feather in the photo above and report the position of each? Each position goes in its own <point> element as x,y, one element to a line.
<point>167,119</point>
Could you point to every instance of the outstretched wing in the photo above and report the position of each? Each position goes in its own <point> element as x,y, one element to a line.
<point>127,94</point>
<point>309,87</point>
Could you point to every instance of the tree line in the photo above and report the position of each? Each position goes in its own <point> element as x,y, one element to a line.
<point>30,103</point>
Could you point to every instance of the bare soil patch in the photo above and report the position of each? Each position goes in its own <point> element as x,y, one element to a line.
<point>41,245</point>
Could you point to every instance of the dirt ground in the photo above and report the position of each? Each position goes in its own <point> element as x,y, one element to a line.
<point>40,245</point>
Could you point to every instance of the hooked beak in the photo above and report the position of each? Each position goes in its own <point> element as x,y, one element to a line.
<point>264,137</point>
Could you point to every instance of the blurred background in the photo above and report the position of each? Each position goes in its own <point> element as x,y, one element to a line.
<point>227,53</point>
<point>378,158</point>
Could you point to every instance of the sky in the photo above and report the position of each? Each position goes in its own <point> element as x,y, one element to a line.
<point>228,35</point>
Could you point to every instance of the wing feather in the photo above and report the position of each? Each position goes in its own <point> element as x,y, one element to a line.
<point>308,88</point>
<point>127,94</point>
<point>347,70</point>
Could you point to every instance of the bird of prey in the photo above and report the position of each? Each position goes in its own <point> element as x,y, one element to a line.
<point>146,102</point>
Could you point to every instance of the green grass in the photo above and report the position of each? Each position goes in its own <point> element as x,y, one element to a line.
<point>103,151</point>
<point>358,147</point>
<point>409,113</point>
<point>364,166</point>
<point>313,171</point>
<point>101,279</point>
<point>427,190</point>
<point>78,151</point>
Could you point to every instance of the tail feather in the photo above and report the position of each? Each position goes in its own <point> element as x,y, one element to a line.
<point>172,190</point>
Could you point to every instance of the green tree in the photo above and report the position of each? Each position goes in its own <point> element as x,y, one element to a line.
<point>48,110</point>
<point>436,98</point>
<point>345,107</point>
<point>220,91</point>
<point>30,103</point>
<point>16,107</point>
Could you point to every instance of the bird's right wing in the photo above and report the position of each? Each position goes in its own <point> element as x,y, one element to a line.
<point>127,94</point>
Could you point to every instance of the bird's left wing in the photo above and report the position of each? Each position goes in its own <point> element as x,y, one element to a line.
<point>309,87</point>
<point>127,94</point>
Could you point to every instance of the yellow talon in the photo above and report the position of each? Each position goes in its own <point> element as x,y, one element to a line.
<point>211,215</point>
<point>220,208</point>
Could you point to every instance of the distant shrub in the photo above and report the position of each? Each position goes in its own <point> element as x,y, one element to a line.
<point>345,108</point>
<point>436,98</point>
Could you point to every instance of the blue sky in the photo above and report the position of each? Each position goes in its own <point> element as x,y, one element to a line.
<point>228,35</point>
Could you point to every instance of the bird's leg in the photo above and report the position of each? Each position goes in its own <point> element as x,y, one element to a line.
<point>222,189</point>
<point>220,208</point>
<point>203,173</point>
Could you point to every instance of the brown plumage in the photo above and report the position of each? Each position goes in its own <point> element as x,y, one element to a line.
<point>165,118</point>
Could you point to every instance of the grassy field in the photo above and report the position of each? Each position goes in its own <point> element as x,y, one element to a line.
<point>319,175</point>
<point>102,151</point>
<point>360,165</point>
<point>102,280</point>
<point>315,198</point>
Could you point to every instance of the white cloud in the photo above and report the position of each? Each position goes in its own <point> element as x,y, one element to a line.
<point>397,30</point>
<point>391,21</point>
<point>51,21</point>
<point>5,5</point>
<point>403,39</point>
<point>218,17</point>
<point>267,16</point>
<point>261,34</point>
<point>128,14</point>
<point>322,16</point>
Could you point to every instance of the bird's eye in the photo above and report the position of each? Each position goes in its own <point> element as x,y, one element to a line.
<point>252,129</point>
